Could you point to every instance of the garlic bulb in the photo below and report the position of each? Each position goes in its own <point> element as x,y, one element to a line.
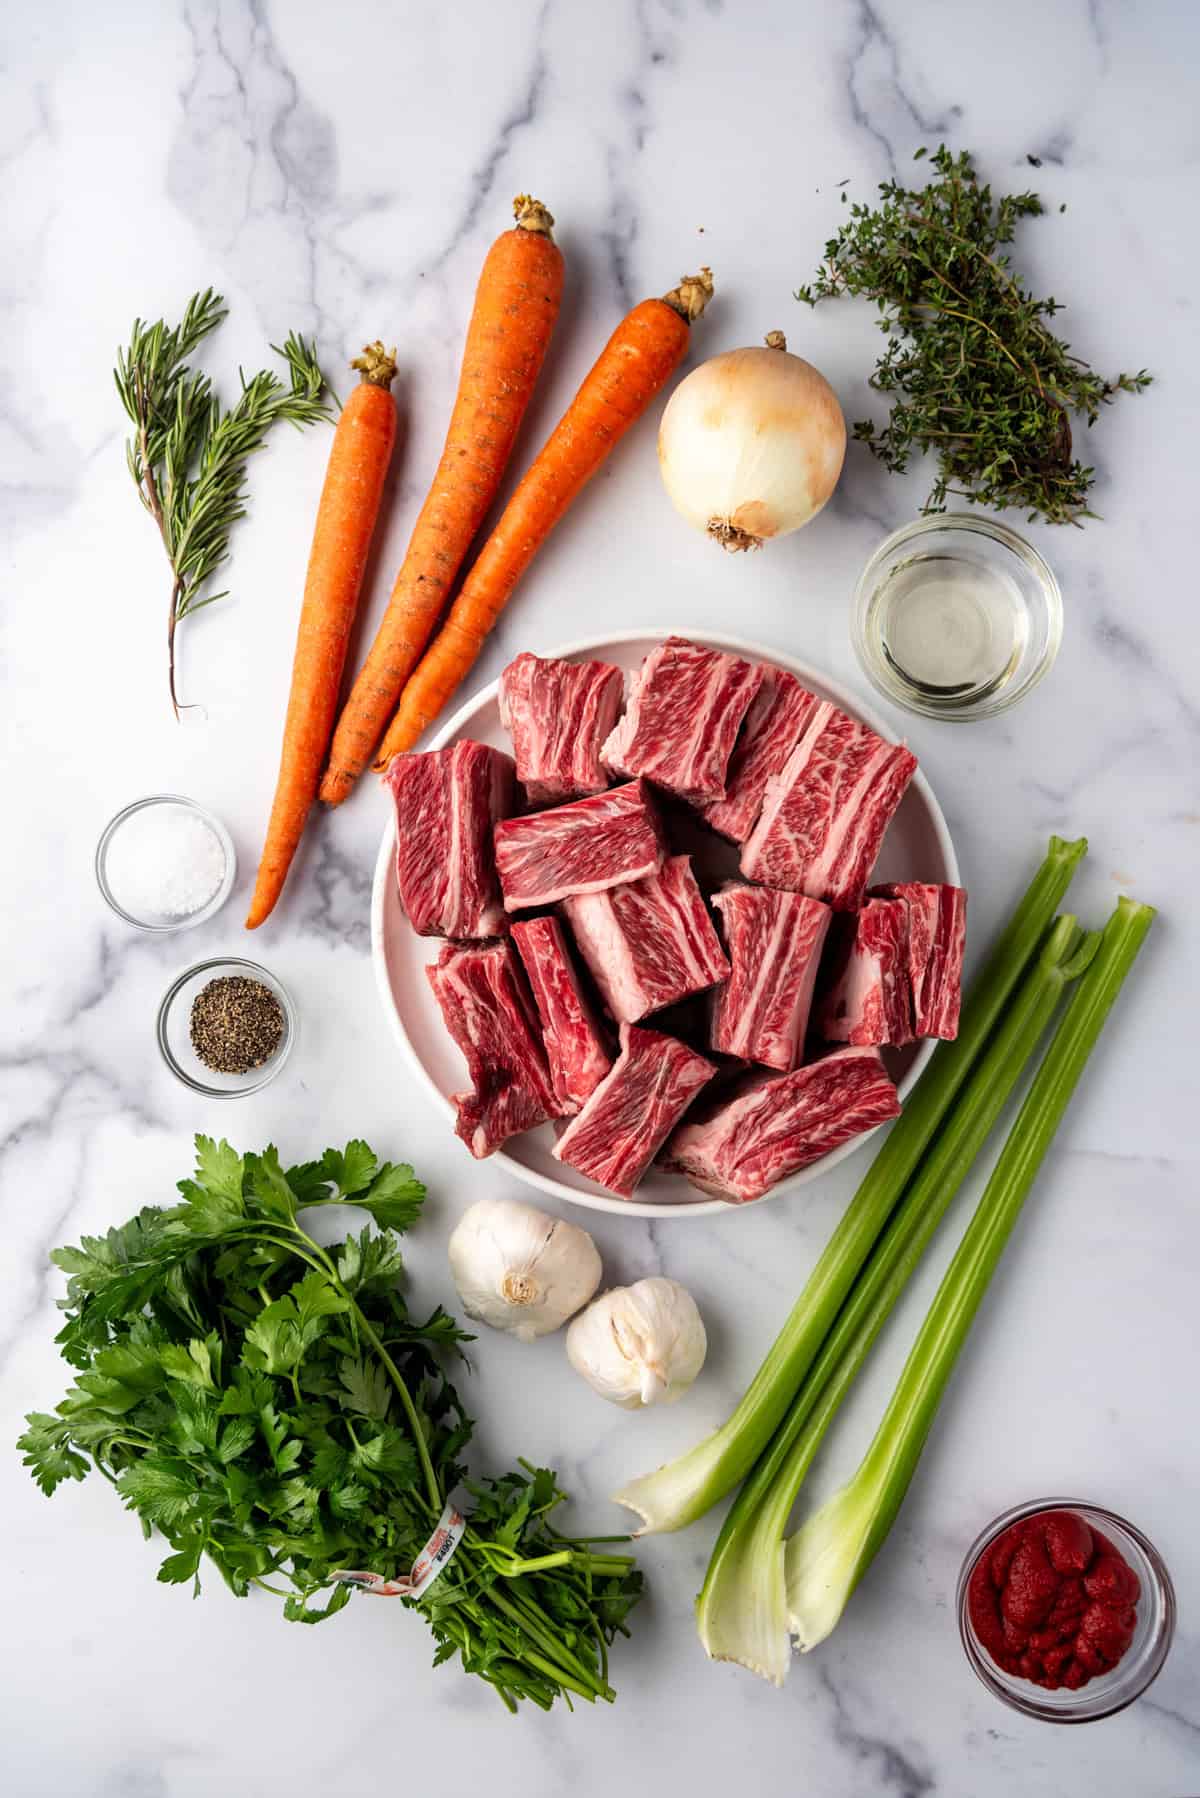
<point>639,1345</point>
<point>751,444</point>
<point>520,1270</point>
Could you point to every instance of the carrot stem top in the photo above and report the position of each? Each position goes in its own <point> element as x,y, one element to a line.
<point>692,295</point>
<point>376,365</point>
<point>531,215</point>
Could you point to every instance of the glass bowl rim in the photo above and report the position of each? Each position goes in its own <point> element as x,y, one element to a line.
<point>998,1682</point>
<point>270,1068</point>
<point>218,829</point>
<point>1016,545</point>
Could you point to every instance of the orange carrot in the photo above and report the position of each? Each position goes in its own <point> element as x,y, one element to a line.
<point>358,464</point>
<point>516,305</point>
<point>634,365</point>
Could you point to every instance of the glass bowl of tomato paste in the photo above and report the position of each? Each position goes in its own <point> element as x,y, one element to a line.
<point>1066,1611</point>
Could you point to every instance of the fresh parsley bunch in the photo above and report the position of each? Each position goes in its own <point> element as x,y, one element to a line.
<point>268,1404</point>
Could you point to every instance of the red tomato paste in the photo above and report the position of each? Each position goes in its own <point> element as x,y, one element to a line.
<point>1053,1601</point>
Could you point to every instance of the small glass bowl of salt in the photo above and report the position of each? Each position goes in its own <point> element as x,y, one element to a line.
<point>164,863</point>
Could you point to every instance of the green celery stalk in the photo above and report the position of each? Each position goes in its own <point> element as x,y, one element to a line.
<point>827,1557</point>
<point>675,1495</point>
<point>741,1613</point>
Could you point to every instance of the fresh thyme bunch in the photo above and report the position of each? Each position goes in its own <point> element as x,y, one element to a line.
<point>268,1406</point>
<point>980,378</point>
<point>188,457</point>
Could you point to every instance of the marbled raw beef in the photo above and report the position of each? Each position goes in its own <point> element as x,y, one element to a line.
<point>937,936</point>
<point>558,714</point>
<point>579,848</point>
<point>773,726</point>
<point>824,814</point>
<point>574,1042</point>
<point>869,1000</point>
<point>649,943</point>
<point>772,1125</point>
<point>629,1116</point>
<point>489,1013</point>
<point>774,942</point>
<point>447,803</point>
<point>682,717</point>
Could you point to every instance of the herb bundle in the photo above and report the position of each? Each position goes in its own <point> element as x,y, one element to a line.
<point>268,1404</point>
<point>188,456</point>
<point>979,376</point>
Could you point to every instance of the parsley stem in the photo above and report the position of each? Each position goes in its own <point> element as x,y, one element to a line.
<point>512,1566</point>
<point>531,1622</point>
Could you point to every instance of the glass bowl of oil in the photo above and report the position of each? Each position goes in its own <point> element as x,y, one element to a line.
<point>956,617</point>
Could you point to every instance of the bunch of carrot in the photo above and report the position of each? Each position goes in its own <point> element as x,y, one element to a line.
<point>406,677</point>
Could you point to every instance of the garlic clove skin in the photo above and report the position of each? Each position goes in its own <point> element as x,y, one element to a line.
<point>639,1345</point>
<point>751,445</point>
<point>519,1269</point>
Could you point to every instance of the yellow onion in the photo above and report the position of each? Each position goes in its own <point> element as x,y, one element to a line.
<point>751,444</point>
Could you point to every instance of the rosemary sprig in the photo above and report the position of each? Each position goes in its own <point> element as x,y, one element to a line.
<point>981,379</point>
<point>188,457</point>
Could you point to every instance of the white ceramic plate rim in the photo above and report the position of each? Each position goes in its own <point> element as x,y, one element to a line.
<point>456,726</point>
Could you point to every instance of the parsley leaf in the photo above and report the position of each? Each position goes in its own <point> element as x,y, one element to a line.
<point>368,1260</point>
<point>192,1364</point>
<point>267,1186</point>
<point>219,1170</point>
<point>177,1569</point>
<point>47,1452</point>
<point>366,1388</point>
<point>350,1170</point>
<point>394,1197</point>
<point>162,1491</point>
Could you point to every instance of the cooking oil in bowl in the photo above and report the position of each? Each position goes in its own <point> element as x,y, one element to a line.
<point>956,617</point>
<point>953,629</point>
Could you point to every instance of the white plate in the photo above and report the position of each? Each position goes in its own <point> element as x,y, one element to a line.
<point>917,847</point>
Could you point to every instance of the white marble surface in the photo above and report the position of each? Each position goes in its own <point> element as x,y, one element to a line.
<point>341,170</point>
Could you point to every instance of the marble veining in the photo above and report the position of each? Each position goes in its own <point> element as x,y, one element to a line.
<point>341,171</point>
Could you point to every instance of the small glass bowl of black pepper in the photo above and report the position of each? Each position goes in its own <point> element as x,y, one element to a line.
<point>226,1027</point>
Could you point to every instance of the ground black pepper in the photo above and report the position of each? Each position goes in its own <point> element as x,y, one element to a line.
<point>237,1024</point>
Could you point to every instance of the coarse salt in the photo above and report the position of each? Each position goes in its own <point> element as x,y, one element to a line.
<point>164,863</point>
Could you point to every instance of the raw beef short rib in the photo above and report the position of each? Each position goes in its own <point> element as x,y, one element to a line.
<point>447,802</point>
<point>558,715</point>
<point>824,814</point>
<point>488,1012</point>
<point>774,941</point>
<point>579,848</point>
<point>648,943</point>
<point>635,1107</point>
<point>937,935</point>
<point>774,725</point>
<point>575,1048</point>
<point>869,1002</point>
<point>772,1125</point>
<point>684,711</point>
